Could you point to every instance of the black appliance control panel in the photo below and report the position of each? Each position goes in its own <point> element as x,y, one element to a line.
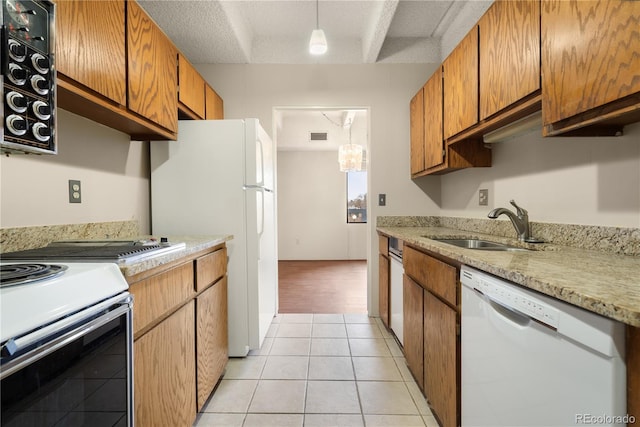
<point>28,77</point>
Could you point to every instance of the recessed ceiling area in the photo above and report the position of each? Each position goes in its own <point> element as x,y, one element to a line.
<point>294,126</point>
<point>277,31</point>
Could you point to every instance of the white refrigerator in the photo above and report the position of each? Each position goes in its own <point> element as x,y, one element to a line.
<point>219,178</point>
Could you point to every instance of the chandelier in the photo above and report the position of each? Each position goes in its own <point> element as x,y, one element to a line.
<point>350,156</point>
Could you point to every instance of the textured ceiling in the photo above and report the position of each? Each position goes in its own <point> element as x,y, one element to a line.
<point>277,32</point>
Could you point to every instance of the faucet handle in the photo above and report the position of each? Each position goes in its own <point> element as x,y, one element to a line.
<point>521,211</point>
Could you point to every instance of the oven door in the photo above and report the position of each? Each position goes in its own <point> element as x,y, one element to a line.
<point>79,374</point>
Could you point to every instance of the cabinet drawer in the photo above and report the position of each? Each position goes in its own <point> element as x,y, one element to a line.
<point>432,274</point>
<point>210,268</point>
<point>158,295</point>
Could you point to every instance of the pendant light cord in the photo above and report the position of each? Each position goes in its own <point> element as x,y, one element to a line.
<point>317,15</point>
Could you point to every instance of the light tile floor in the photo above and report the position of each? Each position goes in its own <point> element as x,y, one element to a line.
<point>319,370</point>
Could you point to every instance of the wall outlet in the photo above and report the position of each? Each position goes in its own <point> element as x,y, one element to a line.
<point>382,200</point>
<point>75,191</point>
<point>483,197</point>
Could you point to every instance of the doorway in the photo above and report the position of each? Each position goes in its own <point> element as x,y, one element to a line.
<point>322,226</point>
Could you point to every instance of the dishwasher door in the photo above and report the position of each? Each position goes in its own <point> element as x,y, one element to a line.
<point>396,318</point>
<point>531,360</point>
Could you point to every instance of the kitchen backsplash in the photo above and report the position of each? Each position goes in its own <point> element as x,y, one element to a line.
<point>617,240</point>
<point>20,238</point>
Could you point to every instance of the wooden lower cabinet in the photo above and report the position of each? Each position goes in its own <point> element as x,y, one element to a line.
<point>164,372</point>
<point>180,337</point>
<point>413,328</point>
<point>441,360</point>
<point>212,343</point>
<point>431,331</point>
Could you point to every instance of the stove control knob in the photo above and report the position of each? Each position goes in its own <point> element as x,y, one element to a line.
<point>16,125</point>
<point>40,63</point>
<point>41,110</point>
<point>17,51</point>
<point>17,74</point>
<point>41,132</point>
<point>17,102</point>
<point>40,84</point>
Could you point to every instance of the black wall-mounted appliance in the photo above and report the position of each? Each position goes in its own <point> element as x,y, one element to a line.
<point>28,77</point>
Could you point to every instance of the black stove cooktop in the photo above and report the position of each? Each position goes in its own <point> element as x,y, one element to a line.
<point>86,251</point>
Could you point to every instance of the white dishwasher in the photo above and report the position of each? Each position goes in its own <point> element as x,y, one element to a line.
<point>531,360</point>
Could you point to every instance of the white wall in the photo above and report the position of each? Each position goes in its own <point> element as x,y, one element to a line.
<point>312,209</point>
<point>114,173</point>
<point>579,180</point>
<point>255,90</point>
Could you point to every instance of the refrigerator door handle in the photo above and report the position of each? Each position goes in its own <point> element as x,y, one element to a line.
<point>260,219</point>
<point>260,190</point>
<point>259,163</point>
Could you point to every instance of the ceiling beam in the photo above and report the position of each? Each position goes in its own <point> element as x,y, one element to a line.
<point>238,26</point>
<point>377,30</point>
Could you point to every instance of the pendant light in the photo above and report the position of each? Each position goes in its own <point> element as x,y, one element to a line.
<point>350,156</point>
<point>318,42</point>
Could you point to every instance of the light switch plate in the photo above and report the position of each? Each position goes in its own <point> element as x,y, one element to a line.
<point>382,200</point>
<point>483,197</point>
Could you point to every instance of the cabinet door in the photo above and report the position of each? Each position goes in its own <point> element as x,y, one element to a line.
<point>412,300</point>
<point>416,116</point>
<point>383,286</point>
<point>214,104</point>
<point>152,65</point>
<point>90,45</point>
<point>191,84</point>
<point>461,85</point>
<point>212,344</point>
<point>441,359</point>
<point>589,55</point>
<point>165,372</point>
<point>509,54</point>
<point>433,138</point>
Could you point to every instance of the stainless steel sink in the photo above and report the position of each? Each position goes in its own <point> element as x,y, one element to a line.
<point>480,244</point>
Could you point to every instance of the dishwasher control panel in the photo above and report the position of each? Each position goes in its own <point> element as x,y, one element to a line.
<point>513,299</point>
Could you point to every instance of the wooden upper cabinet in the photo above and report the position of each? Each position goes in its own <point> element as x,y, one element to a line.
<point>191,88</point>
<point>433,137</point>
<point>460,86</point>
<point>509,54</point>
<point>152,65</point>
<point>214,105</point>
<point>590,63</point>
<point>90,45</point>
<point>416,131</point>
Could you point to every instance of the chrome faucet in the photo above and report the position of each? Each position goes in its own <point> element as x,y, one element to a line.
<point>520,221</point>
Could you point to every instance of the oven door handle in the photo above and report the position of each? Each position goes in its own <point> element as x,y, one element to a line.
<point>16,345</point>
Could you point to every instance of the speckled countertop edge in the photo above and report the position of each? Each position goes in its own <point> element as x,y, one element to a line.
<point>193,244</point>
<point>607,284</point>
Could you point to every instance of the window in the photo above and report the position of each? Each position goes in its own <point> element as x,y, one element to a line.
<point>357,197</point>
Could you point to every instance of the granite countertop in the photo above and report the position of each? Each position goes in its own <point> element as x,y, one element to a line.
<point>193,244</point>
<point>604,283</point>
